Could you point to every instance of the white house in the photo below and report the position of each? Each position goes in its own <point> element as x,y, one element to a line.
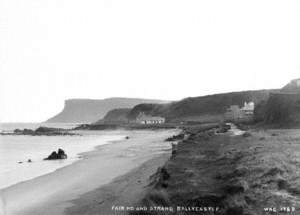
<point>144,119</point>
<point>248,108</point>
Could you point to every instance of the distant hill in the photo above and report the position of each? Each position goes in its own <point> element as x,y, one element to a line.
<point>89,110</point>
<point>202,108</point>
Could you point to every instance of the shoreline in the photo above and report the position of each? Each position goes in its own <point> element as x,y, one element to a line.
<point>117,158</point>
<point>114,137</point>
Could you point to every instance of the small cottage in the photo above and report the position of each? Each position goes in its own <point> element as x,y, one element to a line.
<point>144,119</point>
<point>248,109</point>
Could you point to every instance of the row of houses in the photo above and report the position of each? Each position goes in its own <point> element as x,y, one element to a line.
<point>146,119</point>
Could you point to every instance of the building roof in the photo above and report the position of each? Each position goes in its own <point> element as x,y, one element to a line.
<point>248,106</point>
<point>143,117</point>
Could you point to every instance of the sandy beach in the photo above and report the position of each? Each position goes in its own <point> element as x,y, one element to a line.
<point>125,191</point>
<point>76,188</point>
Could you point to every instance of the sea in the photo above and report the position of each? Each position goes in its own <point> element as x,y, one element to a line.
<point>16,150</point>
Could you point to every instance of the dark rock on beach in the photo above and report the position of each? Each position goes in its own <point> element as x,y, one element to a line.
<point>60,154</point>
<point>247,134</point>
<point>23,132</point>
<point>223,128</point>
<point>17,130</point>
<point>176,137</point>
<point>52,131</point>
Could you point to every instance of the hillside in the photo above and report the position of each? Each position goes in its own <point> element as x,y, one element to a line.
<point>89,110</point>
<point>115,116</point>
<point>292,87</point>
<point>281,108</point>
<point>202,108</point>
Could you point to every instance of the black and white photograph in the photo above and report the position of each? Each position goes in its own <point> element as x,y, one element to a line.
<point>138,107</point>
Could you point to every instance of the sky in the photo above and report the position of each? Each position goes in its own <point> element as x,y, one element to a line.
<point>52,50</point>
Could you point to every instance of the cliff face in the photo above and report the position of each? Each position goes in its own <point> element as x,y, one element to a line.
<point>88,110</point>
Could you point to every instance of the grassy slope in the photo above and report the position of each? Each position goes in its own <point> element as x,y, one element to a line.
<point>204,108</point>
<point>241,175</point>
<point>115,116</point>
<point>282,109</point>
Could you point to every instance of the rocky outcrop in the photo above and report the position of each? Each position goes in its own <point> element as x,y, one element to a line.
<point>60,154</point>
<point>42,131</point>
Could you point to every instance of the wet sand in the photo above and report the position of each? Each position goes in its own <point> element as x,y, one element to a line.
<point>55,192</point>
<point>124,191</point>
